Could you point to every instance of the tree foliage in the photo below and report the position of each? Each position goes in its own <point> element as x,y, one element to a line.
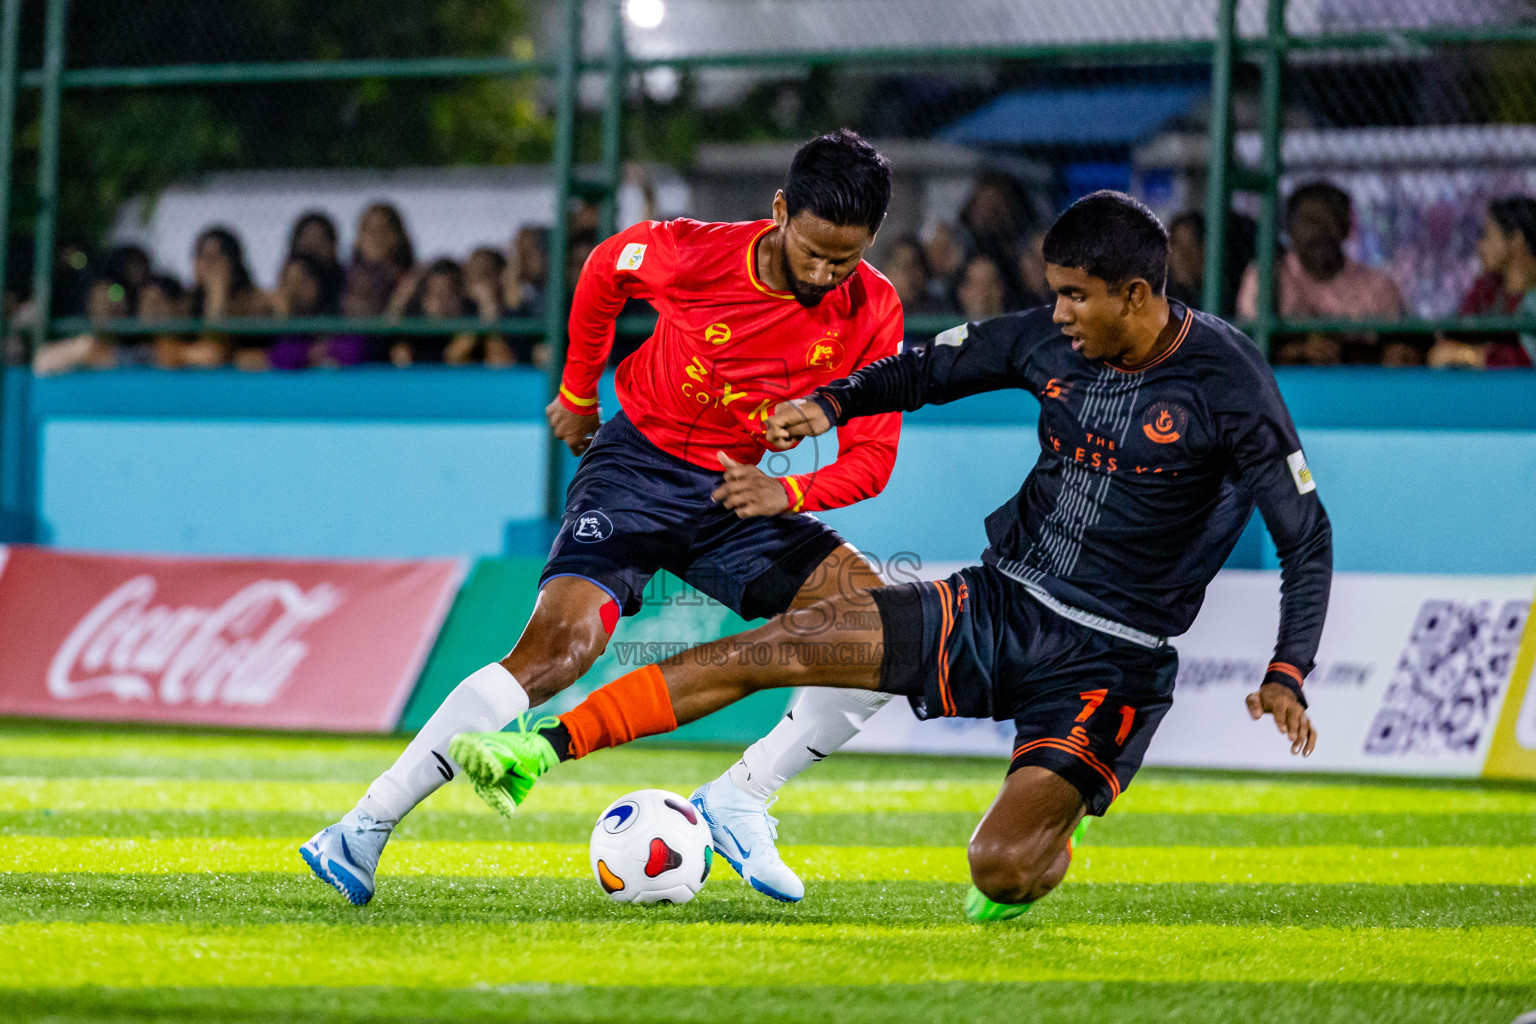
<point>117,144</point>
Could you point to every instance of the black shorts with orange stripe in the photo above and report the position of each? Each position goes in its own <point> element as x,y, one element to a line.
<point>978,645</point>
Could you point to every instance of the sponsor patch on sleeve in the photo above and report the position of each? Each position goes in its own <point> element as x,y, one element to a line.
<point>1300,473</point>
<point>954,336</point>
<point>631,256</point>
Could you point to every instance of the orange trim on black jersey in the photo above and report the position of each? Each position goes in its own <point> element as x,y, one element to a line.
<point>1287,669</point>
<point>1189,318</point>
<point>947,623</point>
<point>752,266</point>
<point>1053,743</point>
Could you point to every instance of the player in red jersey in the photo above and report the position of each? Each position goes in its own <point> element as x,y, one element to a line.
<point>749,315</point>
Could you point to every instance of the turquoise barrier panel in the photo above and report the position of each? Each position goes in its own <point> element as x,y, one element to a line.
<point>346,489</point>
<point>1421,470</point>
<point>1432,501</point>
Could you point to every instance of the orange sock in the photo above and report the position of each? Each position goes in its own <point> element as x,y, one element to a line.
<point>633,705</point>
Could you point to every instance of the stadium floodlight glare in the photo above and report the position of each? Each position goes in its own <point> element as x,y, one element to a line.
<point>645,13</point>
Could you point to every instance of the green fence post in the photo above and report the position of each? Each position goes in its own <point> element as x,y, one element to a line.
<point>10,36</point>
<point>554,296</point>
<point>613,121</point>
<point>10,45</point>
<point>48,169</point>
<point>1271,117</point>
<point>1218,180</point>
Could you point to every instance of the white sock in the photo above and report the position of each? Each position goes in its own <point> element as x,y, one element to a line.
<point>486,701</point>
<point>822,720</point>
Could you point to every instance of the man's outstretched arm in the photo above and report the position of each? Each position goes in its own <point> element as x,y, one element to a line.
<point>1268,454</point>
<point>967,360</point>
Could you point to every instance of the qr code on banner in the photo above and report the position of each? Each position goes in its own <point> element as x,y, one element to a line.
<point>1445,690</point>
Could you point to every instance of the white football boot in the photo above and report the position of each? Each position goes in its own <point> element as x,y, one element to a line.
<point>744,835</point>
<point>346,854</point>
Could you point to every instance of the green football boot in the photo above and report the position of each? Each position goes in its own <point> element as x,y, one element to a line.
<point>503,766</point>
<point>981,909</point>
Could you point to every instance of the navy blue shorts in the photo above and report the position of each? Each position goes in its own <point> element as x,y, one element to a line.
<point>978,645</point>
<point>632,509</point>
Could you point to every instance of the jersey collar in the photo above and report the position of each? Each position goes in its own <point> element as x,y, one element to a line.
<point>752,267</point>
<point>1188,319</point>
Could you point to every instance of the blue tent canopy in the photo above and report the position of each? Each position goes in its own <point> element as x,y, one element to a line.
<point>1117,115</point>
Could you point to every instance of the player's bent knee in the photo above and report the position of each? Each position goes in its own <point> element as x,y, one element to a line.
<point>555,657</point>
<point>1007,874</point>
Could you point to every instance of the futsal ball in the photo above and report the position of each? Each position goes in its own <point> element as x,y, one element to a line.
<point>651,846</point>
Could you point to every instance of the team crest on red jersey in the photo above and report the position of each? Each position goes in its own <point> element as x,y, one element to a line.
<point>825,353</point>
<point>1164,422</point>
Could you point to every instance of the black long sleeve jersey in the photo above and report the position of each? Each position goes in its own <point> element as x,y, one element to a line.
<point>1145,478</point>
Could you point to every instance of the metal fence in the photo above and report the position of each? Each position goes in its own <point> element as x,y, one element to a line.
<point>995,113</point>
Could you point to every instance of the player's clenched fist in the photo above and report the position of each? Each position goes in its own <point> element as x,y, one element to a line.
<point>1290,717</point>
<point>793,420</point>
<point>748,491</point>
<point>572,428</point>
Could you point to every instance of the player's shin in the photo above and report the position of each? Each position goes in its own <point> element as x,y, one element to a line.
<point>634,705</point>
<point>821,721</point>
<point>486,701</point>
<point>346,855</point>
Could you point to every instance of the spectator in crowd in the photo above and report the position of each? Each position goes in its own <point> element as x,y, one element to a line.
<point>1186,258</point>
<point>482,280</point>
<point>1035,289</point>
<point>577,248</point>
<point>163,298</point>
<point>1507,252</point>
<point>438,295</point>
<point>527,273</point>
<point>483,274</point>
<point>314,235</point>
<point>94,350</point>
<point>994,217</point>
<point>129,267</point>
<point>73,273</point>
<point>906,266</point>
<point>1316,278</point>
<point>383,253</point>
<point>983,290</point>
<point>1242,245</point>
<point>221,288</point>
<point>941,245</point>
<point>362,298</point>
<point>300,292</point>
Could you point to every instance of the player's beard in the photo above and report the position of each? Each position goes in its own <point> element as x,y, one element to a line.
<point>807,295</point>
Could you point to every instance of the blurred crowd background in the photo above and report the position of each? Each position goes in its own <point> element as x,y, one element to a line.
<point>414,211</point>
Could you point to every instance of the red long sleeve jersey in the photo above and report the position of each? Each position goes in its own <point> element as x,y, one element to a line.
<point>727,350</point>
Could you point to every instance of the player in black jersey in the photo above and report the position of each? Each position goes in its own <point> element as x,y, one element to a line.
<point>1161,429</point>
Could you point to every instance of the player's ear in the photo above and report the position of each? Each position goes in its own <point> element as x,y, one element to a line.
<point>874,235</point>
<point>780,209</point>
<point>1138,294</point>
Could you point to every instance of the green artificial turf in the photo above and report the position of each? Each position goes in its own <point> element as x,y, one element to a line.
<point>152,875</point>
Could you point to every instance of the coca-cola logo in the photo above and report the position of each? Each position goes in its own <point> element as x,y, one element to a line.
<point>240,653</point>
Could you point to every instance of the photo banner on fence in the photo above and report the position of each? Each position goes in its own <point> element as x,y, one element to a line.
<point>1416,675</point>
<point>260,643</point>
